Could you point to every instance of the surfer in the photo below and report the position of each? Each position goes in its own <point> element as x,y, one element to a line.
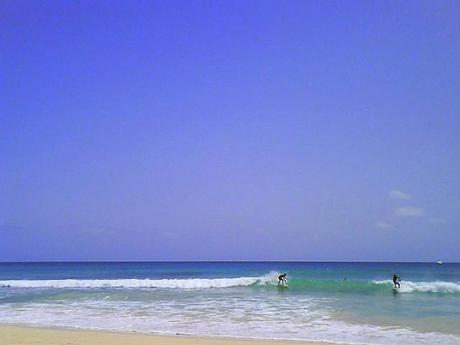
<point>396,281</point>
<point>282,279</point>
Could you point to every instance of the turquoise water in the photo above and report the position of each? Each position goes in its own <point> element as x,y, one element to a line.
<point>241,299</point>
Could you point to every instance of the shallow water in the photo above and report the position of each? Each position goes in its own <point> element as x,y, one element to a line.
<point>241,299</point>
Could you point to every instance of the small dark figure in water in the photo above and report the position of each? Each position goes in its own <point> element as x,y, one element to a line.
<point>282,279</point>
<point>396,281</point>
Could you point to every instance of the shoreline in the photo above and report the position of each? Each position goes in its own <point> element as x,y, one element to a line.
<point>19,334</point>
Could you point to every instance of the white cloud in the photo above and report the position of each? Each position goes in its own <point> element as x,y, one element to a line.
<point>409,211</point>
<point>382,225</point>
<point>397,194</point>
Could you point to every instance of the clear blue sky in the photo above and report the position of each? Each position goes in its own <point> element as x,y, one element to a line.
<point>222,130</point>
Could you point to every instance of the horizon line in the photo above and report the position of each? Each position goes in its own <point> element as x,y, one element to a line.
<point>226,261</point>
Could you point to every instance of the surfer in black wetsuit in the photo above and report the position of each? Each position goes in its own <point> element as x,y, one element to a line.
<point>396,281</point>
<point>282,279</point>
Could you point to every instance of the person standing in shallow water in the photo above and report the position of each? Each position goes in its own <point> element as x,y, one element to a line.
<point>282,279</point>
<point>396,281</point>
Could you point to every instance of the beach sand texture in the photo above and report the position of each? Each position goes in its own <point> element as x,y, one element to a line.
<point>20,335</point>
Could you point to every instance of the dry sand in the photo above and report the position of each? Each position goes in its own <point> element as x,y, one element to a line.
<point>22,335</point>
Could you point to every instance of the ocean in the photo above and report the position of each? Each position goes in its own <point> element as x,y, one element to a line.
<point>351,303</point>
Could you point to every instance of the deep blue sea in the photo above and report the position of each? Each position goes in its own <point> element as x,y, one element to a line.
<point>341,302</point>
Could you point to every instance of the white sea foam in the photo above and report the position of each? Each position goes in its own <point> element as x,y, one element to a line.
<point>141,283</point>
<point>261,313</point>
<point>436,286</point>
<point>195,283</point>
<point>132,283</point>
<point>297,318</point>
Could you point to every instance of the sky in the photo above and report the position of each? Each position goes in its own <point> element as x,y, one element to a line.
<point>230,130</point>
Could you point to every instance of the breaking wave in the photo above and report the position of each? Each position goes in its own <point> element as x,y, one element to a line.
<point>139,283</point>
<point>132,283</point>
<point>268,280</point>
<point>436,287</point>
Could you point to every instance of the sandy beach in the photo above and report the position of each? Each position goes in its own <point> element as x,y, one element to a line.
<point>23,335</point>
